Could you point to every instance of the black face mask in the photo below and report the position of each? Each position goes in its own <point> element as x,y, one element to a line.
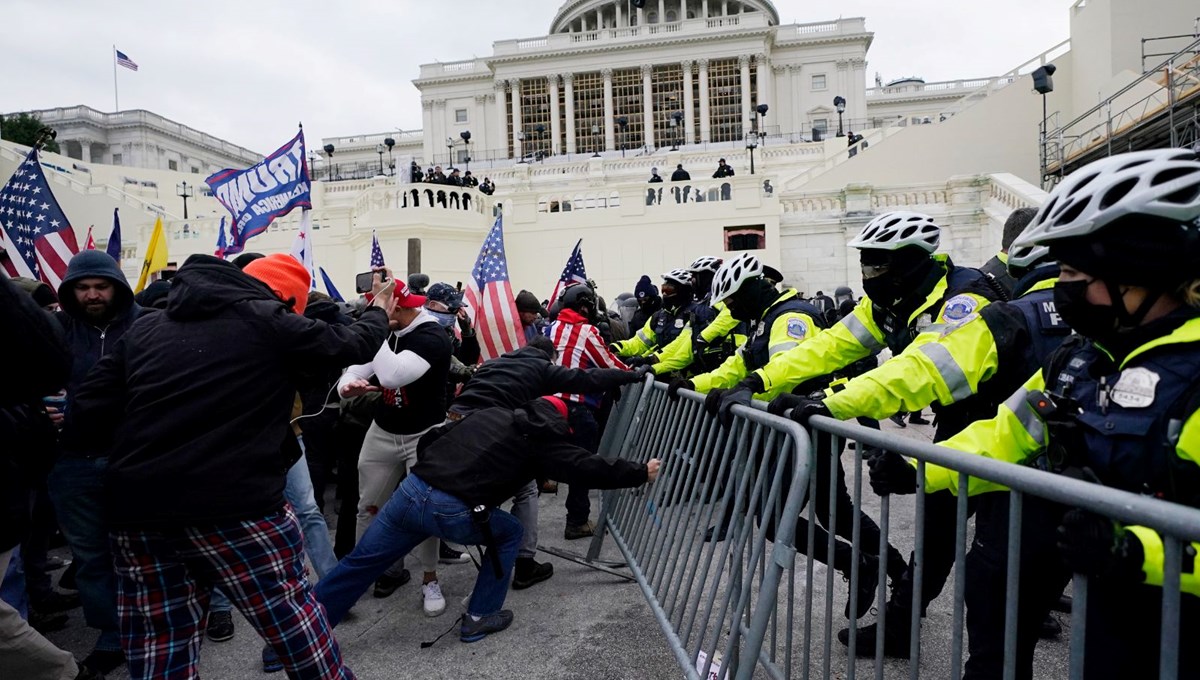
<point>1095,322</point>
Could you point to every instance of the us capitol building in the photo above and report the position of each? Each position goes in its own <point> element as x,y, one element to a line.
<point>569,125</point>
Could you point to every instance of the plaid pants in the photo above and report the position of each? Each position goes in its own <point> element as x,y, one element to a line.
<point>165,579</point>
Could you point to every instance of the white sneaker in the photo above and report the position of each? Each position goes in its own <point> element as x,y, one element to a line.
<point>435,604</point>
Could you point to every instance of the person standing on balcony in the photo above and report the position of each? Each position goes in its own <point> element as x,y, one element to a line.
<point>723,170</point>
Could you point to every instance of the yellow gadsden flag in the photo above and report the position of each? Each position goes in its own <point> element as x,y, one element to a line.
<point>156,255</point>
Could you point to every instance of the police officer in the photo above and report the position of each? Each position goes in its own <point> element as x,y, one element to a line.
<point>781,322</point>
<point>1116,404</point>
<point>699,350</point>
<point>913,296</point>
<point>679,309</point>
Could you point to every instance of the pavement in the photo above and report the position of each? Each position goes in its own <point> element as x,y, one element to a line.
<point>581,624</point>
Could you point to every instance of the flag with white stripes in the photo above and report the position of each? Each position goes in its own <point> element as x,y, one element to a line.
<point>35,235</point>
<point>124,60</point>
<point>489,294</point>
<point>376,252</point>
<point>572,273</point>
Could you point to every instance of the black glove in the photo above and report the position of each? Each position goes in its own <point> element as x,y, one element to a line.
<point>891,474</point>
<point>464,325</point>
<point>634,362</point>
<point>809,408</point>
<point>642,371</point>
<point>713,400</point>
<point>699,346</point>
<point>679,384</point>
<point>779,405</point>
<point>742,394</point>
<point>1095,545</point>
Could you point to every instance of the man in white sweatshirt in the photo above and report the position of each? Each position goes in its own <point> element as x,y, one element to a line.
<point>410,370</point>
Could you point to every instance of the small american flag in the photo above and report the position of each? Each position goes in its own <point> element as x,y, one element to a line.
<point>572,273</point>
<point>489,293</point>
<point>34,232</point>
<point>124,60</point>
<point>376,253</point>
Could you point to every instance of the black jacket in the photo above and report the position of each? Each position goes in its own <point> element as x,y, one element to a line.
<point>198,398</point>
<point>88,342</point>
<point>998,270</point>
<point>485,458</point>
<point>38,364</point>
<point>680,175</point>
<point>525,374</point>
<point>723,171</point>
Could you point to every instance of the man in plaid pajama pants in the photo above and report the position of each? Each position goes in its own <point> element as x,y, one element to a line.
<point>196,401</point>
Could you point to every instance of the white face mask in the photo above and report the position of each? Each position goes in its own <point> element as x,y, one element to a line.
<point>444,319</point>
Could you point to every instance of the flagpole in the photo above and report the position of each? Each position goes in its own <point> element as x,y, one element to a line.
<point>116,97</point>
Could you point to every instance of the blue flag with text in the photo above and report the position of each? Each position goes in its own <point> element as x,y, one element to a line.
<point>257,195</point>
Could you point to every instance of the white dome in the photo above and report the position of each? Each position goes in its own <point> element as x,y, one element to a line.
<point>574,9</point>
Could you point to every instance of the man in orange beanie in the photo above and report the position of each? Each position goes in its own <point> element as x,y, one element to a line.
<point>195,403</point>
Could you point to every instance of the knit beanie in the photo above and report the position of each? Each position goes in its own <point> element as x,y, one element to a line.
<point>645,289</point>
<point>285,276</point>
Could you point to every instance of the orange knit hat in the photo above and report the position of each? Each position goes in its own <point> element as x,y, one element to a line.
<point>285,276</point>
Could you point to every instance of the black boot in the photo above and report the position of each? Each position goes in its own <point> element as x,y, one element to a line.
<point>529,572</point>
<point>868,580</point>
<point>895,638</point>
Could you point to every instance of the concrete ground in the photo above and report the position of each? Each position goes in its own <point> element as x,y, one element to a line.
<point>581,624</point>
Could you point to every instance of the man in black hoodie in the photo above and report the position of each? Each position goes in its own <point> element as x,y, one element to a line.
<point>97,308</point>
<point>196,402</point>
<point>465,469</point>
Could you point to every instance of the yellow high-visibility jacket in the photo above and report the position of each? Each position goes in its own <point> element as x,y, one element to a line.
<point>678,355</point>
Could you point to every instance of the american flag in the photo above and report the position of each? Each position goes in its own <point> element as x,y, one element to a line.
<point>89,243</point>
<point>34,232</point>
<point>572,273</point>
<point>490,294</point>
<point>124,60</point>
<point>376,253</point>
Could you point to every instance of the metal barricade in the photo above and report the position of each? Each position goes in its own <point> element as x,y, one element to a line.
<point>700,540</point>
<point>712,543</point>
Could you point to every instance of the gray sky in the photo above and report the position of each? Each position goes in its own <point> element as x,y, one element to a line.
<point>249,70</point>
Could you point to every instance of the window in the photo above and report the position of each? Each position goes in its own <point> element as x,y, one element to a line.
<point>821,124</point>
<point>752,237</point>
<point>172,165</point>
<point>462,156</point>
<point>818,81</point>
<point>117,158</point>
<point>195,170</point>
<point>725,99</point>
<point>460,115</point>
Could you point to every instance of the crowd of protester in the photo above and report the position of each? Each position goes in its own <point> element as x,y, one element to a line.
<point>435,175</point>
<point>184,440</point>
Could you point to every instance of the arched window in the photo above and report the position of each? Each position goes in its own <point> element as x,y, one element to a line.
<point>652,17</point>
<point>671,16</point>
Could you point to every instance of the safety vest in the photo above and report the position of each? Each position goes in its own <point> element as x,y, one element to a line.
<point>758,347</point>
<point>1124,423</point>
<point>668,324</point>
<point>1026,332</point>
<point>898,333</point>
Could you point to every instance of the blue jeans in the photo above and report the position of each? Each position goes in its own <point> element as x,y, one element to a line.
<point>317,545</point>
<point>415,512</point>
<point>12,585</point>
<point>76,488</point>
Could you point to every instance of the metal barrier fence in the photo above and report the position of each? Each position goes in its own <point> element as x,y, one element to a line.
<point>730,607</point>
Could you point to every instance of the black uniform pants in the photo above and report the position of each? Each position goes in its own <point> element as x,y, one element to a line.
<point>1042,579</point>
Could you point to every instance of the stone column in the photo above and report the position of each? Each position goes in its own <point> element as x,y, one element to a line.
<point>744,63</point>
<point>762,80</point>
<point>85,151</point>
<point>704,9</point>
<point>500,145</point>
<point>705,120</point>
<point>441,132</point>
<point>641,16</point>
<point>662,11</point>
<point>599,19</point>
<point>620,9</point>
<point>843,88</point>
<point>555,122</point>
<point>609,137</point>
<point>689,118</point>
<point>857,87</point>
<point>569,95</point>
<point>648,104</point>
<point>515,84</point>
<point>795,79</point>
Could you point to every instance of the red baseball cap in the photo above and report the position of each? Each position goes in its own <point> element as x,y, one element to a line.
<point>406,298</point>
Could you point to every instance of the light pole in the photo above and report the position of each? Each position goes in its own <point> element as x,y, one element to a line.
<point>521,139</point>
<point>676,122</point>
<point>449,153</point>
<point>541,134</point>
<point>389,143</point>
<point>839,103</point>
<point>313,157</point>
<point>623,123</point>
<point>379,150</point>
<point>760,111</point>
<point>466,137</point>
<point>751,145</point>
<point>185,192</point>
<point>1043,84</point>
<point>595,140</point>
<point>329,166</point>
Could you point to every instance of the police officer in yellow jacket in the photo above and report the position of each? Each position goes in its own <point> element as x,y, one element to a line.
<point>1120,404</point>
<point>664,326</point>
<point>782,321</point>
<point>701,348</point>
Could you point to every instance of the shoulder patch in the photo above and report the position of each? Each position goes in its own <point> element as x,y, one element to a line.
<point>796,328</point>
<point>959,307</point>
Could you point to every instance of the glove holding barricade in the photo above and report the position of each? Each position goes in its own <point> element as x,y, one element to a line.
<point>739,395</point>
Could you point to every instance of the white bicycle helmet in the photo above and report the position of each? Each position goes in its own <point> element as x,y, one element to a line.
<point>897,229</point>
<point>707,263</point>
<point>1161,183</point>
<point>1024,257</point>
<point>730,277</point>
<point>679,277</point>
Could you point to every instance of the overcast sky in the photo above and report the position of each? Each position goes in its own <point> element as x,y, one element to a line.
<point>249,70</point>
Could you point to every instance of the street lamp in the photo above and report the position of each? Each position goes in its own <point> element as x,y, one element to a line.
<point>449,153</point>
<point>521,139</point>
<point>466,137</point>
<point>676,122</point>
<point>839,103</point>
<point>329,163</point>
<point>313,157</point>
<point>751,145</point>
<point>623,122</point>
<point>595,140</point>
<point>379,150</point>
<point>185,192</point>
<point>541,133</point>
<point>1043,84</point>
<point>389,143</point>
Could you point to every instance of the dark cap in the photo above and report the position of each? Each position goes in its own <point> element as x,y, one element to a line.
<point>445,294</point>
<point>528,302</point>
